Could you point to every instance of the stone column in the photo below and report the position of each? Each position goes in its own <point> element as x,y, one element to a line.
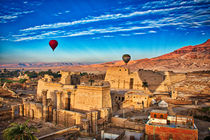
<point>44,97</point>
<point>44,104</point>
<point>13,111</point>
<point>58,93</point>
<point>21,110</point>
<point>54,116</point>
<point>94,118</point>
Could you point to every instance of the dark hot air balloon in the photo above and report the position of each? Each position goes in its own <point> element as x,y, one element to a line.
<point>53,44</point>
<point>126,58</point>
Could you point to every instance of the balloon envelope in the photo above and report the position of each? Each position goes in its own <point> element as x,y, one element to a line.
<point>53,44</point>
<point>126,58</point>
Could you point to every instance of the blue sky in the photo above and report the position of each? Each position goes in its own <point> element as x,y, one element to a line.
<point>99,30</point>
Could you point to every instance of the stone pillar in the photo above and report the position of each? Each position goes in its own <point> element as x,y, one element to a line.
<point>44,104</point>
<point>78,119</point>
<point>13,111</point>
<point>54,116</point>
<point>21,110</point>
<point>58,93</point>
<point>44,97</point>
<point>94,118</point>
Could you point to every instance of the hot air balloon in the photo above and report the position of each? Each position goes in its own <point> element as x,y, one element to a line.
<point>53,44</point>
<point>126,58</point>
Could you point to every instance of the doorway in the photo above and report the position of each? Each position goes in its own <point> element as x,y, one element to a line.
<point>131,83</point>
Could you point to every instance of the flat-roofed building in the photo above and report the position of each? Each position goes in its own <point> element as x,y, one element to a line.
<point>161,126</point>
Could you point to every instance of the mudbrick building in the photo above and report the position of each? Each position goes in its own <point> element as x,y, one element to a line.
<point>161,126</point>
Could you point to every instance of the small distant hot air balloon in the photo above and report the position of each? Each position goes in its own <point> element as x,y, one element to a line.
<point>126,58</point>
<point>53,44</point>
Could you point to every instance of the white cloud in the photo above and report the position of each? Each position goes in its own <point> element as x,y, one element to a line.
<point>14,15</point>
<point>8,17</point>
<point>59,33</point>
<point>152,31</point>
<point>108,36</point>
<point>201,0</point>
<point>24,37</point>
<point>139,33</point>
<point>95,38</point>
<point>124,34</point>
<point>100,18</point>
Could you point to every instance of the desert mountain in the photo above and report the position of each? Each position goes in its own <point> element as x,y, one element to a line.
<point>185,59</point>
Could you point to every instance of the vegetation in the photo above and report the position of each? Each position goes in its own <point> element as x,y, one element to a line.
<point>83,74</point>
<point>7,74</point>
<point>49,72</point>
<point>3,80</point>
<point>22,81</point>
<point>31,74</point>
<point>19,132</point>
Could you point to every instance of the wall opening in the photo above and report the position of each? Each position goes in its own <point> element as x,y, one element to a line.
<point>67,104</point>
<point>131,83</point>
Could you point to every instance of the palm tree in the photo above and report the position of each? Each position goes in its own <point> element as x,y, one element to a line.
<point>17,131</point>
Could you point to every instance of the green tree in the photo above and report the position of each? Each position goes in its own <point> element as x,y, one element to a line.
<point>19,132</point>
<point>22,81</point>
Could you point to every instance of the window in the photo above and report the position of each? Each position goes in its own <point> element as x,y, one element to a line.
<point>155,116</point>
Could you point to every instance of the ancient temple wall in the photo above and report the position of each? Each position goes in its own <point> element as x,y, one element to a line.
<point>90,98</point>
<point>50,86</point>
<point>121,78</point>
<point>32,110</point>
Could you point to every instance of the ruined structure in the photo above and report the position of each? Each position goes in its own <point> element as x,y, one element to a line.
<point>147,80</point>
<point>136,100</point>
<point>66,104</point>
<point>162,126</point>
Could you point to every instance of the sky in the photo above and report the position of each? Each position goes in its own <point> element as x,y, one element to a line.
<point>95,31</point>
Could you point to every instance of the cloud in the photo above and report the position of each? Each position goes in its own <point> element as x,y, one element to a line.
<point>59,33</point>
<point>101,18</point>
<point>8,17</point>
<point>108,36</point>
<point>95,38</point>
<point>2,38</point>
<point>201,0</point>
<point>125,35</point>
<point>152,31</point>
<point>24,37</point>
<point>13,15</point>
<point>139,33</point>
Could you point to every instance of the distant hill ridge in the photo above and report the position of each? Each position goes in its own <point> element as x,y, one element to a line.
<point>188,58</point>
